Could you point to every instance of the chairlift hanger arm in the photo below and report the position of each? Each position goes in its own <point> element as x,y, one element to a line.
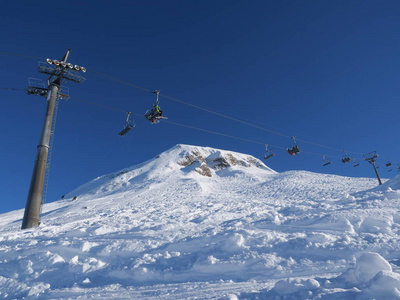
<point>128,114</point>
<point>371,156</point>
<point>157,92</point>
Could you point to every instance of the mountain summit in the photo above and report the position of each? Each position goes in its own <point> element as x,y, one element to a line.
<point>204,160</point>
<point>181,161</point>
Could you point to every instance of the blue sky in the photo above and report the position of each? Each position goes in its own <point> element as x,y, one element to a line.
<point>324,71</point>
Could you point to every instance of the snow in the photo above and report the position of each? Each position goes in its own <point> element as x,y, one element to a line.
<point>203,223</point>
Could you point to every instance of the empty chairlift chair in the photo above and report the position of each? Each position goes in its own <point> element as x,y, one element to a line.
<point>268,153</point>
<point>129,125</point>
<point>325,161</point>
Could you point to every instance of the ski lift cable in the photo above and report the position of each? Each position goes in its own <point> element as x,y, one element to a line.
<point>218,114</point>
<point>120,80</point>
<point>23,55</point>
<point>182,125</point>
<point>221,134</point>
<point>186,103</point>
<point>199,129</point>
<point>280,129</point>
<point>182,102</point>
<point>192,127</point>
<point>13,89</point>
<point>189,104</point>
<point>178,124</point>
<point>224,116</point>
<point>318,154</point>
<point>239,138</point>
<point>319,145</point>
<point>101,105</point>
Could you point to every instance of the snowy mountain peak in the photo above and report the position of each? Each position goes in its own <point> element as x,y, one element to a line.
<point>178,163</point>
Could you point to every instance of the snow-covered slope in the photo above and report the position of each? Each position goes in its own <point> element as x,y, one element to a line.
<point>207,223</point>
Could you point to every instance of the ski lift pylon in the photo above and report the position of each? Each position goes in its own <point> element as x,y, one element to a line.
<point>129,125</point>
<point>294,149</point>
<point>268,153</point>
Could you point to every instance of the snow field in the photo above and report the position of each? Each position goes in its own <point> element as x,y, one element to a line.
<point>166,229</point>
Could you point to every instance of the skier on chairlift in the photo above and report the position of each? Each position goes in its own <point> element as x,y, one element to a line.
<point>345,159</point>
<point>155,114</point>
<point>294,150</point>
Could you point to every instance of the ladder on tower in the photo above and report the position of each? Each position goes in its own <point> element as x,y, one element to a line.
<point>47,172</point>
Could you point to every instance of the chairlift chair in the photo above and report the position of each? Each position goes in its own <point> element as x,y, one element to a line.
<point>346,158</point>
<point>294,150</point>
<point>356,164</point>
<point>154,114</point>
<point>268,153</point>
<point>325,161</point>
<point>129,125</point>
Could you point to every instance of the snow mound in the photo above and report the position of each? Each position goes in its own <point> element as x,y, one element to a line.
<point>384,285</point>
<point>367,266</point>
<point>371,278</point>
<point>298,286</point>
<point>393,184</point>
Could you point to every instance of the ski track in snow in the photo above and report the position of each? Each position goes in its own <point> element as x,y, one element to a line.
<point>164,229</point>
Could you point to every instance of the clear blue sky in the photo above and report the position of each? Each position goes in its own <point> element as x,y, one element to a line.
<point>324,71</point>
